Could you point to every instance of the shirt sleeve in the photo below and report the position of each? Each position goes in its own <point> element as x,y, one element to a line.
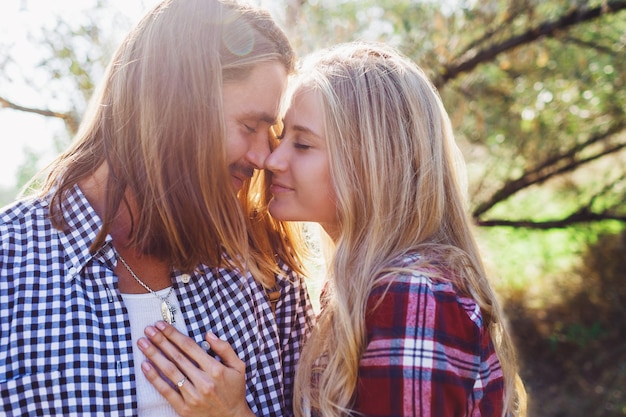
<point>427,354</point>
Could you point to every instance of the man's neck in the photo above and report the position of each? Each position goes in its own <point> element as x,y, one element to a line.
<point>152,271</point>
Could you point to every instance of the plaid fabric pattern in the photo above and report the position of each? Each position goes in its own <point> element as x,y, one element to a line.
<point>65,343</point>
<point>427,354</point>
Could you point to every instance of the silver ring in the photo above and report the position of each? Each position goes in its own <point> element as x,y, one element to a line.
<point>180,383</point>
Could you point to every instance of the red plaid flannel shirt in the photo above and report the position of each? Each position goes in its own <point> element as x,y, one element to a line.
<point>428,354</point>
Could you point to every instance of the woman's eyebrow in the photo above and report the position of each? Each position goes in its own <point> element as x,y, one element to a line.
<point>304,129</point>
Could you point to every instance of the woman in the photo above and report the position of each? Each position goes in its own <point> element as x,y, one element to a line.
<point>409,323</point>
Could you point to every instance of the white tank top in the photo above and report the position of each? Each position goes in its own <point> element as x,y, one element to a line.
<point>145,310</point>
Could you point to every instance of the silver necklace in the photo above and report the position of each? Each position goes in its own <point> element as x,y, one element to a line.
<point>167,309</point>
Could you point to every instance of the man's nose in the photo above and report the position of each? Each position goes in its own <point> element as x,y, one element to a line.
<point>259,150</point>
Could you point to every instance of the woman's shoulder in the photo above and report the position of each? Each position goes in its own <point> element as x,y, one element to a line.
<point>421,288</point>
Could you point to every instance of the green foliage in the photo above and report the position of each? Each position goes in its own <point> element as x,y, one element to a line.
<point>578,334</point>
<point>526,263</point>
<point>28,169</point>
<point>76,56</point>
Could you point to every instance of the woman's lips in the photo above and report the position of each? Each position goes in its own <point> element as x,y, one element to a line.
<point>277,188</point>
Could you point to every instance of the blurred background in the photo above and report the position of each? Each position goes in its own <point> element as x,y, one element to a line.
<point>536,91</point>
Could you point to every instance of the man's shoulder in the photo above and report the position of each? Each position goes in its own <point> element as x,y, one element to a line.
<point>22,214</point>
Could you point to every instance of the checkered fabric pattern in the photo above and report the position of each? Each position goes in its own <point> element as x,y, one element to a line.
<point>65,342</point>
<point>427,354</point>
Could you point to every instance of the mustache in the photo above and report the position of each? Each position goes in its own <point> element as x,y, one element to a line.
<point>241,169</point>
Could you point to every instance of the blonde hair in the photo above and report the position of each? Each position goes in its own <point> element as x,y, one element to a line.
<point>394,165</point>
<point>157,122</point>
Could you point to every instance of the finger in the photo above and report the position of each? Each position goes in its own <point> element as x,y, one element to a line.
<point>186,345</point>
<point>170,361</point>
<point>162,386</point>
<point>225,351</point>
<point>166,369</point>
<point>180,355</point>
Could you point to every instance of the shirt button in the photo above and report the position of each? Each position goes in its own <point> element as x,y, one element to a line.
<point>185,278</point>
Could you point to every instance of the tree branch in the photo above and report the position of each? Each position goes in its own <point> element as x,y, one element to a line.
<point>591,45</point>
<point>541,171</point>
<point>551,167</point>
<point>576,218</point>
<point>489,34</point>
<point>585,214</point>
<point>582,216</point>
<point>68,118</point>
<point>548,28</point>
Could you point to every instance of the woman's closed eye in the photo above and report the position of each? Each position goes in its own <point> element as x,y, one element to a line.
<point>293,137</point>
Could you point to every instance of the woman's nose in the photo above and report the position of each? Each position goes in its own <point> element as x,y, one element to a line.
<point>275,161</point>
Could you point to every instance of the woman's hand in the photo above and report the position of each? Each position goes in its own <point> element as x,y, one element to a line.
<point>200,384</point>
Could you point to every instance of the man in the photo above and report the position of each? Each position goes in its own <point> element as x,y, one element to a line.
<point>142,220</point>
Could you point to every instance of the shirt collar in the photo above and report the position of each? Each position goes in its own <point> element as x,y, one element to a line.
<point>83,225</point>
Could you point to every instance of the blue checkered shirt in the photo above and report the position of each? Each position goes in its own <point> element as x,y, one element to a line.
<point>65,341</point>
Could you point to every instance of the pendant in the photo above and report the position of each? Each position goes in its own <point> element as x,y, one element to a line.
<point>167,312</point>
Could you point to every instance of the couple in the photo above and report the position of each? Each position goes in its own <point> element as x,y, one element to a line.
<point>134,248</point>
